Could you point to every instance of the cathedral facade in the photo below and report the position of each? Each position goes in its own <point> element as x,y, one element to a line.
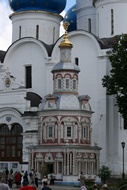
<point>55,115</point>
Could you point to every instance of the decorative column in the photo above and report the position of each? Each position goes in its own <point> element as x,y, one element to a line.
<point>74,162</point>
<point>59,131</point>
<point>29,159</point>
<point>79,133</point>
<point>97,161</point>
<point>71,162</point>
<point>92,168</point>
<point>64,162</point>
<point>32,159</point>
<point>56,134</point>
<point>39,133</point>
<point>68,164</point>
<point>86,167</point>
<point>44,132</point>
<point>73,130</point>
<point>55,170</point>
<point>37,166</point>
<point>79,166</point>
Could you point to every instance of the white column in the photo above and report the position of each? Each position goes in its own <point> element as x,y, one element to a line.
<point>79,133</point>
<point>71,162</point>
<point>68,165</point>
<point>74,163</point>
<point>64,162</point>
<point>59,133</point>
<point>32,160</point>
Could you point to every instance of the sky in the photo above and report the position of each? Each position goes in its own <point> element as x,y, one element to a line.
<point>6,25</point>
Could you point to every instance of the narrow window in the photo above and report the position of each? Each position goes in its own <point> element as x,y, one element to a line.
<point>89,25</point>
<point>67,83</point>
<point>28,76</point>
<point>37,32</point>
<point>19,32</point>
<point>59,83</point>
<point>112,22</point>
<point>50,131</point>
<point>68,131</point>
<point>84,132</point>
<point>76,61</point>
<point>53,35</point>
<point>74,84</point>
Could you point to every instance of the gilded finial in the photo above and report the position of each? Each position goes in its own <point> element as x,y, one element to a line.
<point>66,42</point>
<point>66,25</point>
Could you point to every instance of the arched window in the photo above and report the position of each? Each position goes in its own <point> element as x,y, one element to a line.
<point>11,143</point>
<point>77,61</point>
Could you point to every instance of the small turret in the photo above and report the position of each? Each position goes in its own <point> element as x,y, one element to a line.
<point>65,73</point>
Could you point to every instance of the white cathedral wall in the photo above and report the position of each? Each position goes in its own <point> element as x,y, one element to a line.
<point>25,53</point>
<point>14,99</point>
<point>85,11</point>
<point>25,24</point>
<point>103,17</point>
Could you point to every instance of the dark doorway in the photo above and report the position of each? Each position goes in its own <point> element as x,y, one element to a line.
<point>49,168</point>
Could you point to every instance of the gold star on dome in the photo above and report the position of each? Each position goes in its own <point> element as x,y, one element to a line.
<point>32,2</point>
<point>17,4</point>
<point>47,4</point>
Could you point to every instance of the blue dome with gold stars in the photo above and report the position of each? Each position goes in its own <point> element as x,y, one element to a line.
<point>71,18</point>
<point>53,6</point>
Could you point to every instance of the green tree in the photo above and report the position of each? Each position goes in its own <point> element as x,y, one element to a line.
<point>104,173</point>
<point>116,82</point>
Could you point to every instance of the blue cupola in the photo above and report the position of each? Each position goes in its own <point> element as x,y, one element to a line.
<point>53,6</point>
<point>71,18</point>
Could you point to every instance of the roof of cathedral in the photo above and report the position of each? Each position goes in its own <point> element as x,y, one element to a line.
<point>106,43</point>
<point>71,18</point>
<point>2,54</point>
<point>53,6</point>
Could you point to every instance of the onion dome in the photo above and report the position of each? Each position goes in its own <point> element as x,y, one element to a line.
<point>71,18</point>
<point>53,6</point>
